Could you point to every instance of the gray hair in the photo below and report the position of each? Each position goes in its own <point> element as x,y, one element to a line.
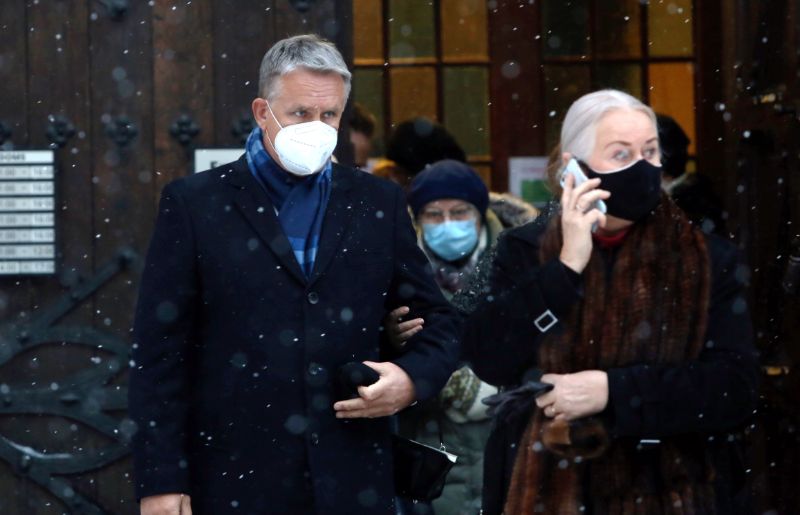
<point>305,51</point>
<point>578,131</point>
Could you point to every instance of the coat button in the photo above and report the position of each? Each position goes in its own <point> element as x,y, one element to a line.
<point>314,438</point>
<point>313,297</point>
<point>314,369</point>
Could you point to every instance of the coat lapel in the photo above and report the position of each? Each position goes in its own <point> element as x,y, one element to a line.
<point>337,217</point>
<point>254,204</point>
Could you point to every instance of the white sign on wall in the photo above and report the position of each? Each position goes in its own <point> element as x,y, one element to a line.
<point>208,158</point>
<point>27,212</point>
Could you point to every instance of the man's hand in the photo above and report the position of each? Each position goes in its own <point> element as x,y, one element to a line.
<point>391,393</point>
<point>399,331</point>
<point>574,395</point>
<point>166,504</point>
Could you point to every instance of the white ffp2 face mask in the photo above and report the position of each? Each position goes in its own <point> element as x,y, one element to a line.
<point>304,148</point>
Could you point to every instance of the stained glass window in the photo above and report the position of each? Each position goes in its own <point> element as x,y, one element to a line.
<point>643,48</point>
<point>435,63</point>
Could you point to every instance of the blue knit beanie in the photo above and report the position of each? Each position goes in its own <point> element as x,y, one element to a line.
<point>448,179</point>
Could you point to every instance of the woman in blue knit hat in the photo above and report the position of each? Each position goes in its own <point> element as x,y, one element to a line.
<point>449,202</point>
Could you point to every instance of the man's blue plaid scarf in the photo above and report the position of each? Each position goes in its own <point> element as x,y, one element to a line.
<point>300,201</point>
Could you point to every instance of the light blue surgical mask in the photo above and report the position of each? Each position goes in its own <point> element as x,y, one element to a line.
<point>451,240</point>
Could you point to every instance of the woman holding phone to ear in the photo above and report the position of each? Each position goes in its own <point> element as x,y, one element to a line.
<point>641,326</point>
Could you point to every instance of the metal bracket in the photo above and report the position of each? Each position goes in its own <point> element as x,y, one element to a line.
<point>184,130</point>
<point>122,131</point>
<point>59,131</point>
<point>242,127</point>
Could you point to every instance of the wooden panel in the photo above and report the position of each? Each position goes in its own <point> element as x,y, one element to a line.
<point>515,86</point>
<point>123,188</point>
<point>13,72</point>
<point>58,86</point>
<point>182,81</point>
<point>16,294</point>
<point>413,92</point>
<point>463,32</point>
<point>672,93</point>
<point>243,32</point>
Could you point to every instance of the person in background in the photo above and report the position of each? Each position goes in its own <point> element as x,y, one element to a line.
<point>639,322</point>
<point>420,142</point>
<point>456,228</point>
<point>391,171</point>
<point>692,192</point>
<point>362,130</point>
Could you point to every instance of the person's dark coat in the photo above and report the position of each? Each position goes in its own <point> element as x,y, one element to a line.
<point>236,352</point>
<point>708,398</point>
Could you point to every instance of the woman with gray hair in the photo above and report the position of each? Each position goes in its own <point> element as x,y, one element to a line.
<point>638,323</point>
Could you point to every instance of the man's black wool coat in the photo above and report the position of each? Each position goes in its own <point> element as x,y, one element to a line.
<point>236,352</point>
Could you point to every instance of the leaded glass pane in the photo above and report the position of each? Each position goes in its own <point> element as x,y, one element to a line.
<point>367,32</point>
<point>618,26</point>
<point>368,91</point>
<point>672,93</point>
<point>669,24</point>
<point>627,77</point>
<point>412,34</point>
<point>413,91</point>
<point>466,107</point>
<point>563,85</point>
<point>464,30</point>
<point>566,28</point>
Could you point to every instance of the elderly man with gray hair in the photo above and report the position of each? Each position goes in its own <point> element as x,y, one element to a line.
<point>261,380</point>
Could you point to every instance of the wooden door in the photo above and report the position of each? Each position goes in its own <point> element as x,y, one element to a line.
<point>122,91</point>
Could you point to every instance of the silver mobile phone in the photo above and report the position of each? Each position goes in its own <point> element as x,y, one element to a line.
<point>574,168</point>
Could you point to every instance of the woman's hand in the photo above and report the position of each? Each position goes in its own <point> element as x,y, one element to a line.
<point>577,218</point>
<point>400,331</point>
<point>574,395</point>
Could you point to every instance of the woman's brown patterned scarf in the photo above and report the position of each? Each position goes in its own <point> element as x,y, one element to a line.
<point>652,309</point>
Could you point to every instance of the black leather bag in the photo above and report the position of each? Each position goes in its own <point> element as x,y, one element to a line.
<point>419,470</point>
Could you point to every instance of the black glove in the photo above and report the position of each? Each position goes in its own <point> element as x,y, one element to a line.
<point>511,404</point>
<point>352,375</point>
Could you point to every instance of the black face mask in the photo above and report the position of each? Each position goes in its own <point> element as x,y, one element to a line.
<point>635,190</point>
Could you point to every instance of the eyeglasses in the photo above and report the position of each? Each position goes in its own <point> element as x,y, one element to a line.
<point>437,216</point>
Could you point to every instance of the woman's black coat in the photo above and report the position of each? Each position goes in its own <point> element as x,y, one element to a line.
<point>710,396</point>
